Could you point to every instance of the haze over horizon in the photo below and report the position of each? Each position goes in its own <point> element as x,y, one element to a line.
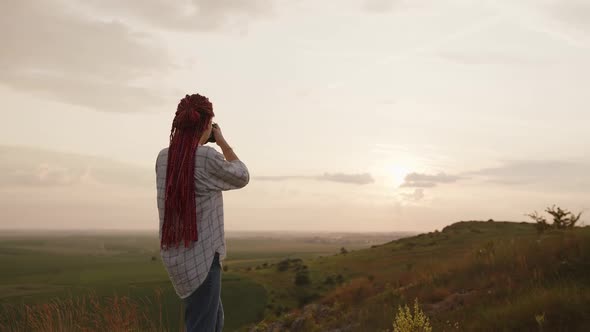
<point>352,116</point>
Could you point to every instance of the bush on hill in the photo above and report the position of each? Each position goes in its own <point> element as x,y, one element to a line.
<point>302,278</point>
<point>562,219</point>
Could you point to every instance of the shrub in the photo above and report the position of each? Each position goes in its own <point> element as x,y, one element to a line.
<point>283,265</point>
<point>541,223</point>
<point>562,219</point>
<point>302,278</point>
<point>288,262</point>
<point>406,321</point>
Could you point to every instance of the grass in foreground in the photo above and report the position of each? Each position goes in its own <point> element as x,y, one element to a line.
<point>85,313</point>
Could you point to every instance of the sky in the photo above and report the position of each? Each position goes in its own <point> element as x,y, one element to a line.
<point>365,115</point>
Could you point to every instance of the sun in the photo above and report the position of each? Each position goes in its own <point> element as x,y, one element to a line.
<point>396,173</point>
<point>394,169</point>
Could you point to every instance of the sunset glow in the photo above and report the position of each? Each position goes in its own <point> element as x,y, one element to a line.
<point>485,104</point>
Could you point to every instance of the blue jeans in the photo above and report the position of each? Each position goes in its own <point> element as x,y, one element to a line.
<point>203,311</point>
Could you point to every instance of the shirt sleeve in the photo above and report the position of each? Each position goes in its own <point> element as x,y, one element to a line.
<point>226,175</point>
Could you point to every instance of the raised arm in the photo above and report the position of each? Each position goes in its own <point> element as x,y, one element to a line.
<point>224,174</point>
<point>227,171</point>
<point>228,152</point>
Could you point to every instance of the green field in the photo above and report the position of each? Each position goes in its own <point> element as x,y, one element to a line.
<point>41,268</point>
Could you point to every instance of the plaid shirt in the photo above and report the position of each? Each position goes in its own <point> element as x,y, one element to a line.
<point>188,267</point>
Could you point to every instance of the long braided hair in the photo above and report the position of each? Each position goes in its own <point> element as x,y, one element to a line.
<point>180,218</point>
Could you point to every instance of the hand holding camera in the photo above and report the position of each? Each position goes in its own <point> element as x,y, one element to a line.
<point>216,135</point>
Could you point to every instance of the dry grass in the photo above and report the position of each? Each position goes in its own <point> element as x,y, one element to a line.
<point>85,313</point>
<point>352,292</point>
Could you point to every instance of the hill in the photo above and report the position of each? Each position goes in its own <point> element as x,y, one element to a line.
<point>472,275</point>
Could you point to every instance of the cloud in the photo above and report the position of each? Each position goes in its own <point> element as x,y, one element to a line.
<point>564,175</point>
<point>204,15</point>
<point>359,179</point>
<point>418,180</point>
<point>49,51</point>
<point>364,178</point>
<point>548,174</point>
<point>33,167</point>
<point>415,196</point>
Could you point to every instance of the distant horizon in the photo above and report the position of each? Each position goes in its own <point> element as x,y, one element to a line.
<point>141,230</point>
<point>227,231</point>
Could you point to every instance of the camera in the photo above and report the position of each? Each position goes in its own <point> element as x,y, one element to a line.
<point>212,137</point>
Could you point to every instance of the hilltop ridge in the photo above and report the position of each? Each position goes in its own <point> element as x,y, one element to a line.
<point>485,275</point>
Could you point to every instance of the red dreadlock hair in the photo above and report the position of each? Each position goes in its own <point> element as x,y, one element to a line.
<point>180,218</point>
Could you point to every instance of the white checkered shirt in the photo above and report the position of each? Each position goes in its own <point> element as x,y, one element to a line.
<point>188,267</point>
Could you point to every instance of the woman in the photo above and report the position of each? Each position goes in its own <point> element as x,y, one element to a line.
<point>190,178</point>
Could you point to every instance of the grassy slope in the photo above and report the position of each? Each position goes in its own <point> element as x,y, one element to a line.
<point>481,275</point>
